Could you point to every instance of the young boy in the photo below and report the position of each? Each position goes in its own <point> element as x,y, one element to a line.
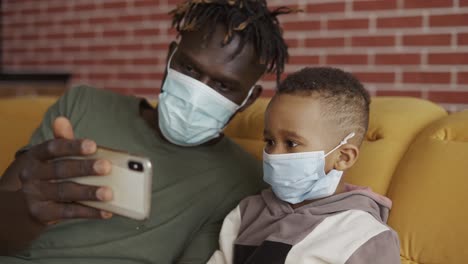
<point>314,126</point>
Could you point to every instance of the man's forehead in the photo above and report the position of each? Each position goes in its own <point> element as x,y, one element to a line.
<point>212,40</point>
<point>221,62</point>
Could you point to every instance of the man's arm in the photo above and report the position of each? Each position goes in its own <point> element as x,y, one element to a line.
<point>17,229</point>
<point>30,195</point>
<point>31,198</point>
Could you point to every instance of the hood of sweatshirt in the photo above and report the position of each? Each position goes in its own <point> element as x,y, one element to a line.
<point>354,198</point>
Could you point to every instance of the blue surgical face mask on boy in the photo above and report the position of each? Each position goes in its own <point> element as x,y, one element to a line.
<point>296,177</point>
<point>190,112</point>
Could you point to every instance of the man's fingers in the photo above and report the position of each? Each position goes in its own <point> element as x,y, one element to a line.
<point>58,148</point>
<point>59,211</point>
<point>69,168</point>
<point>62,128</point>
<point>74,192</point>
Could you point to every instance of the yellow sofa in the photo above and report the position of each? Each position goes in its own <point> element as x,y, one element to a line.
<point>415,153</point>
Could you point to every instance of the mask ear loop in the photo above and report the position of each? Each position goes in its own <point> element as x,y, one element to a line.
<point>170,59</point>
<point>344,141</point>
<point>168,66</point>
<point>247,98</point>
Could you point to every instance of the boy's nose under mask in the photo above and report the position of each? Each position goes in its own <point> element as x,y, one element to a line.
<point>295,177</point>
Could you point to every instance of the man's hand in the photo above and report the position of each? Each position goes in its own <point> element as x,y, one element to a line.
<point>48,198</point>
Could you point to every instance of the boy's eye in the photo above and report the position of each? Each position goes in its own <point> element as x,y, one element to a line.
<point>291,144</point>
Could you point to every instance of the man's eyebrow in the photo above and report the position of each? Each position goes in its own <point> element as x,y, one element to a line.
<point>221,78</point>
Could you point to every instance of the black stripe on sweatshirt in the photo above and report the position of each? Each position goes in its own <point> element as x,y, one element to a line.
<point>268,252</point>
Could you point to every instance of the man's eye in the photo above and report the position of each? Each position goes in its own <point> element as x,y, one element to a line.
<point>190,71</point>
<point>269,142</point>
<point>222,87</point>
<point>189,68</point>
<point>291,144</point>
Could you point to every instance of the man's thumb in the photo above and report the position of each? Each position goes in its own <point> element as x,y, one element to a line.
<point>63,128</point>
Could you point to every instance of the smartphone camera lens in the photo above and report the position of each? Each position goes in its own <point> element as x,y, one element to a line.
<point>135,166</point>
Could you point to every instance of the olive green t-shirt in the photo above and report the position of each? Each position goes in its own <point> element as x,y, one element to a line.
<point>193,189</point>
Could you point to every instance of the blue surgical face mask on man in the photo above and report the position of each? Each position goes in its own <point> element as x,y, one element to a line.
<point>190,112</point>
<point>296,177</point>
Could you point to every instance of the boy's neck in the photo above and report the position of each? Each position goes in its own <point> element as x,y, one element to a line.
<point>339,189</point>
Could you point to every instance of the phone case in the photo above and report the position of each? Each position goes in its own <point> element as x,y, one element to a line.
<point>131,188</point>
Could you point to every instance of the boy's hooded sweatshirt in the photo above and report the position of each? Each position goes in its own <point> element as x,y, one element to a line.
<point>349,227</point>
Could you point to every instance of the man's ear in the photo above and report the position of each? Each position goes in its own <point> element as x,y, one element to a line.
<point>257,91</point>
<point>348,155</point>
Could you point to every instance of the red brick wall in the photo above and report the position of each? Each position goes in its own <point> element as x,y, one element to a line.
<point>397,47</point>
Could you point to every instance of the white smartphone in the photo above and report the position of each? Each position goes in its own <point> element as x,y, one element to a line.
<point>130,181</point>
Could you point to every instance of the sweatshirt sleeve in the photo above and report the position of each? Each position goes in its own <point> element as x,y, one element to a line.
<point>227,236</point>
<point>384,248</point>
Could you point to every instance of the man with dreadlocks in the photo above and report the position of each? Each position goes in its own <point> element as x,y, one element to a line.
<point>225,46</point>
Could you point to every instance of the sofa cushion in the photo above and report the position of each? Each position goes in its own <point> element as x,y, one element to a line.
<point>394,123</point>
<point>430,193</point>
<point>18,119</point>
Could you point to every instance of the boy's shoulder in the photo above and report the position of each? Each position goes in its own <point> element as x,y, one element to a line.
<point>356,234</point>
<point>381,248</point>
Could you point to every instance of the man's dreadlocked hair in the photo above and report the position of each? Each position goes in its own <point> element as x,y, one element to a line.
<point>251,19</point>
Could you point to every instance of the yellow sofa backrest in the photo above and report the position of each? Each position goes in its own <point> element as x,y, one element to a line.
<point>394,123</point>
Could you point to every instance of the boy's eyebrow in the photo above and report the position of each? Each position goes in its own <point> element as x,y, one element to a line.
<point>292,134</point>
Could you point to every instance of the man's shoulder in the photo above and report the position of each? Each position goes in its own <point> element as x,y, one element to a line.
<point>83,99</point>
<point>87,94</point>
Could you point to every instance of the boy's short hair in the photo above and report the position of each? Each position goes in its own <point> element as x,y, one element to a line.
<point>345,101</point>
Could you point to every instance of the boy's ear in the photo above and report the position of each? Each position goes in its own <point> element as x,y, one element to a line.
<point>257,91</point>
<point>348,155</point>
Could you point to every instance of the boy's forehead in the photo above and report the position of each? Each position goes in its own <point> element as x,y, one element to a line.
<point>295,110</point>
<point>302,114</point>
<point>298,103</point>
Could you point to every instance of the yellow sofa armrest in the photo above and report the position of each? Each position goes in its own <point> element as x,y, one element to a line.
<point>18,119</point>
<point>430,193</point>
